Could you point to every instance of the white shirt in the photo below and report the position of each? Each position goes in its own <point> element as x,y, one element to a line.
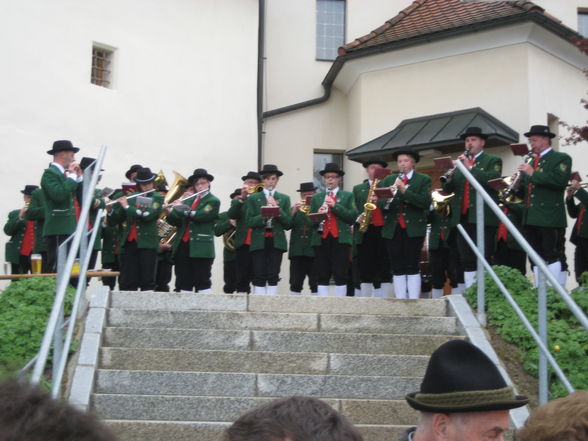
<point>544,152</point>
<point>268,193</point>
<point>334,191</point>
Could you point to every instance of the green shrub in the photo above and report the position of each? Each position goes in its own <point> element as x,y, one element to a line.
<point>567,339</point>
<point>25,307</point>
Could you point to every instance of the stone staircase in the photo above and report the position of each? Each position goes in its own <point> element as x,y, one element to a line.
<point>184,366</point>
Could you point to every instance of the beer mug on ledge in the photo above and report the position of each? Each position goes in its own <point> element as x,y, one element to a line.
<point>36,263</point>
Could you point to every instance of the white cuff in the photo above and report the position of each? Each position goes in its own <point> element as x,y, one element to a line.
<point>139,212</point>
<point>145,214</point>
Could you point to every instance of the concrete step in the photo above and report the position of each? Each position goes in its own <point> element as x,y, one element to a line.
<point>253,385</point>
<point>210,431</point>
<point>262,362</point>
<point>228,409</point>
<point>281,303</point>
<point>274,341</point>
<point>383,324</point>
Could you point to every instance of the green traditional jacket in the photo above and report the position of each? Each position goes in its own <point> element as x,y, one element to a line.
<point>238,211</point>
<point>439,224</point>
<point>97,204</point>
<point>15,227</point>
<point>59,192</point>
<point>414,203</point>
<point>543,192</point>
<point>581,226</point>
<point>221,226</point>
<point>110,240</point>
<point>300,236</point>
<point>36,212</point>
<point>258,224</point>
<point>146,220</point>
<point>201,221</point>
<point>486,167</point>
<point>345,212</point>
<point>360,194</point>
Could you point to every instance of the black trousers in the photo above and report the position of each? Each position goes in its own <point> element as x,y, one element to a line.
<point>455,259</point>
<point>138,266</point>
<point>442,267</point>
<point>192,272</point>
<point>546,241</point>
<point>23,266</point>
<point>230,276</point>
<point>506,256</point>
<point>266,264</point>
<point>404,252</point>
<point>163,275</point>
<point>244,268</point>
<point>331,260</point>
<point>580,257</point>
<point>110,281</point>
<point>372,257</point>
<point>468,258</point>
<point>300,268</point>
<point>51,245</point>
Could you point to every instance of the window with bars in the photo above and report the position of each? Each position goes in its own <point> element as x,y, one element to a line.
<point>330,28</point>
<point>583,23</point>
<point>320,160</point>
<point>102,66</point>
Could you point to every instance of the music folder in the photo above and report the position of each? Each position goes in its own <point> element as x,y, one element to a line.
<point>270,211</point>
<point>497,184</point>
<point>575,176</point>
<point>444,163</point>
<point>128,187</point>
<point>519,149</point>
<point>317,217</point>
<point>384,193</point>
<point>381,173</point>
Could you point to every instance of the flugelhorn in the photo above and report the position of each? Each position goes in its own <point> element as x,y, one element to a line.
<point>255,189</point>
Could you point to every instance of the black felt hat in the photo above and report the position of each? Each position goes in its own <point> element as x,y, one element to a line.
<point>268,169</point>
<point>237,192</point>
<point>462,378</point>
<point>28,190</point>
<point>306,186</point>
<point>62,146</point>
<point>144,175</point>
<point>540,130</point>
<point>473,131</point>
<point>133,169</point>
<point>200,173</point>
<point>251,175</point>
<point>374,160</point>
<point>331,167</point>
<point>406,151</point>
<point>86,162</point>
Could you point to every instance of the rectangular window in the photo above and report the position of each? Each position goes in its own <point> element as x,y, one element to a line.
<point>320,160</point>
<point>553,124</point>
<point>583,23</point>
<point>102,66</point>
<point>330,28</point>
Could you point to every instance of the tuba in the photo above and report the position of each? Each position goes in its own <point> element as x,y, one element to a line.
<point>165,231</point>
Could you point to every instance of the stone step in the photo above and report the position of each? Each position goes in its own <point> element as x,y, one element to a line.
<point>384,324</point>
<point>253,385</point>
<point>274,341</point>
<point>281,303</point>
<point>262,362</point>
<point>228,409</point>
<point>210,431</point>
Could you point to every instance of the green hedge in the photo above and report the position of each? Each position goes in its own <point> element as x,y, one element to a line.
<point>567,339</point>
<point>24,311</point>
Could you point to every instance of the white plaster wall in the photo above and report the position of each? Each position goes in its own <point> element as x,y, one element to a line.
<point>564,10</point>
<point>184,93</point>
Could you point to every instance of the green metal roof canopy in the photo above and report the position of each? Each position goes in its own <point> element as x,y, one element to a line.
<point>439,132</point>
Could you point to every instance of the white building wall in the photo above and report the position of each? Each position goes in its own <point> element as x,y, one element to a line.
<point>184,92</point>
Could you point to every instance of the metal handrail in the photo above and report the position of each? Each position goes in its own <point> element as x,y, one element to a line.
<point>54,330</point>
<point>541,336</point>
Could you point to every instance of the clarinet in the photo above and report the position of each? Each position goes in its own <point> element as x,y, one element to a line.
<point>401,176</point>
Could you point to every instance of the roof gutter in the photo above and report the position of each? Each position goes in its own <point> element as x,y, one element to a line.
<point>548,23</point>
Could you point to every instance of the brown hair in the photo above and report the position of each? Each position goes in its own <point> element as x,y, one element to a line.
<point>29,414</point>
<point>564,419</point>
<point>293,419</point>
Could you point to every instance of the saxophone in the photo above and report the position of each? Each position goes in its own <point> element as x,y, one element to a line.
<point>368,207</point>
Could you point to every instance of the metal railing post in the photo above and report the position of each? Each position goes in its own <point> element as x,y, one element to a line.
<point>481,246</point>
<point>542,328</point>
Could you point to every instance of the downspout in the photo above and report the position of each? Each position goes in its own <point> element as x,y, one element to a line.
<point>260,63</point>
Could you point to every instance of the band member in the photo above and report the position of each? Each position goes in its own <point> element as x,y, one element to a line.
<point>268,238</point>
<point>332,238</point>
<point>542,186</point>
<point>59,183</point>
<point>110,252</point>
<point>579,235</point>
<point>508,251</point>
<point>226,227</point>
<point>242,238</point>
<point>139,239</point>
<point>165,260</point>
<point>193,250</point>
<point>300,252</point>
<point>22,235</point>
<point>36,212</point>
<point>440,250</point>
<point>406,222</point>
<point>372,256</point>
<point>484,167</point>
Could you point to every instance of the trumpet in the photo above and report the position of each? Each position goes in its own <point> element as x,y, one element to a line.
<point>305,205</point>
<point>131,196</point>
<point>449,173</point>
